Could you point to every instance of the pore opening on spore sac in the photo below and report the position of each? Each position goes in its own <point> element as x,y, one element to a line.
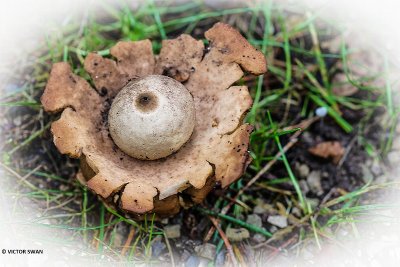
<point>146,101</point>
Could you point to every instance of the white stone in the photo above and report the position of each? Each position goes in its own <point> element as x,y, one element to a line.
<point>237,234</point>
<point>173,231</point>
<point>278,220</point>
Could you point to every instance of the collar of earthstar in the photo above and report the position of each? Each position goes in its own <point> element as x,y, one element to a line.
<point>216,153</point>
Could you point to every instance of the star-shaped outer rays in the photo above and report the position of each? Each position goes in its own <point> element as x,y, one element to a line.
<point>217,150</point>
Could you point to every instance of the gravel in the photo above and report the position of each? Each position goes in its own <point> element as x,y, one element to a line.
<point>376,168</point>
<point>157,246</point>
<point>303,170</point>
<point>206,250</point>
<point>237,234</point>
<point>192,261</point>
<point>314,202</point>
<point>304,186</point>
<point>367,175</point>
<point>254,219</point>
<point>173,231</point>
<point>278,220</point>
<point>259,238</point>
<point>314,182</point>
<point>220,259</point>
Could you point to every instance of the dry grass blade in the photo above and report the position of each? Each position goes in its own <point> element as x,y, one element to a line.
<point>225,239</point>
<point>128,241</point>
<point>171,254</point>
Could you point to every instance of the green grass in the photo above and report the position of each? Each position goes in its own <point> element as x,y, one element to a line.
<point>299,78</point>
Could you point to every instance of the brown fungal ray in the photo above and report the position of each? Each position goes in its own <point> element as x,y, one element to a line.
<point>216,152</point>
<point>65,89</point>
<point>134,59</point>
<point>178,57</point>
<point>106,75</point>
<point>237,97</point>
<point>234,48</point>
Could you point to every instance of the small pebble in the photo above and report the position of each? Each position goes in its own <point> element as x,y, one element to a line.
<point>237,234</point>
<point>367,175</point>
<point>273,229</point>
<point>254,219</point>
<point>342,232</point>
<point>314,182</point>
<point>203,262</point>
<point>185,255</point>
<point>173,231</point>
<point>17,121</point>
<point>259,238</point>
<point>304,186</point>
<point>192,261</point>
<point>258,209</point>
<point>303,170</point>
<point>321,112</point>
<point>296,212</point>
<point>278,220</point>
<point>220,259</point>
<point>262,208</point>
<point>376,168</point>
<point>64,187</point>
<point>157,246</point>
<point>206,250</point>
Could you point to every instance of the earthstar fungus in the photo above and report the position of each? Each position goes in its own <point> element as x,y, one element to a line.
<point>216,151</point>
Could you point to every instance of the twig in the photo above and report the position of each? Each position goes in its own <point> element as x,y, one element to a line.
<point>128,241</point>
<point>347,151</point>
<point>225,239</point>
<point>328,196</point>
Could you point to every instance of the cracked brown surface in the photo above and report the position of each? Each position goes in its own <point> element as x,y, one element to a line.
<point>217,150</point>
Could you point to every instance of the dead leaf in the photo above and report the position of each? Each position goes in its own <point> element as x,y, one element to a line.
<point>330,149</point>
